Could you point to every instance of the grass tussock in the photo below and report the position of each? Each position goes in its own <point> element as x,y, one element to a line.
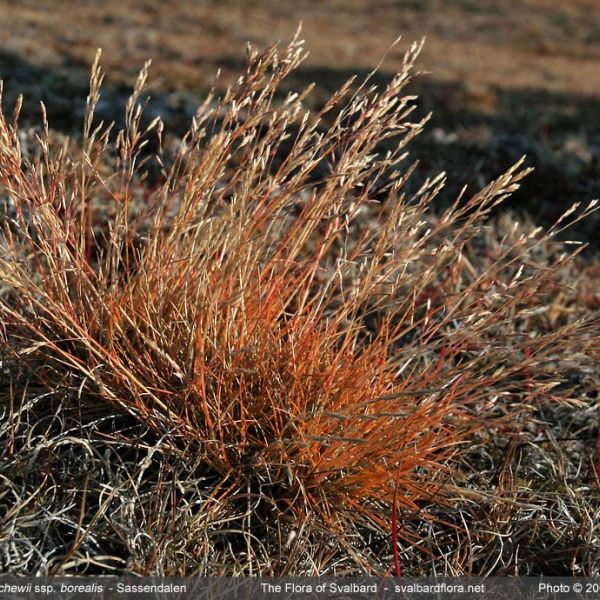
<point>302,341</point>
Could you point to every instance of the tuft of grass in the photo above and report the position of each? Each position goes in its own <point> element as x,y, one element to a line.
<point>319,356</point>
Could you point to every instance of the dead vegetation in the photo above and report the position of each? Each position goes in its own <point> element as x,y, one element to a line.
<point>247,365</point>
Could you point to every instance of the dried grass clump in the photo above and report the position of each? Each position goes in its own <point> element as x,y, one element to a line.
<point>320,355</point>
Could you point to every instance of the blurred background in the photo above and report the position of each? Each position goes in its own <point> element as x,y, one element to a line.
<point>503,78</point>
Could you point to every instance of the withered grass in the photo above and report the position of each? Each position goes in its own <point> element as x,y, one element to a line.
<point>239,364</point>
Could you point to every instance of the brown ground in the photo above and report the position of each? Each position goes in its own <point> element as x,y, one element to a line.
<point>515,44</point>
